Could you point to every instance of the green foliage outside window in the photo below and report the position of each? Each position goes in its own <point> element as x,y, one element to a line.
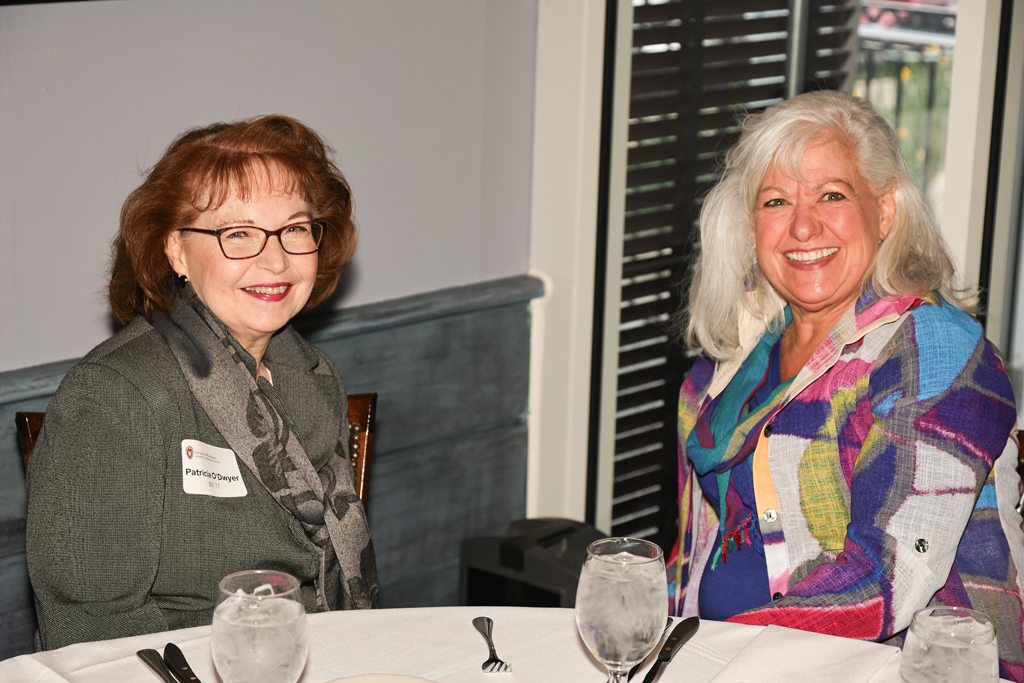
<point>911,89</point>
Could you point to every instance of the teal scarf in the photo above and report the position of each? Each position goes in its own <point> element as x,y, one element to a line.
<point>730,436</point>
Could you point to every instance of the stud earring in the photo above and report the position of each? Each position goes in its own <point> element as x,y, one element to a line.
<point>182,280</point>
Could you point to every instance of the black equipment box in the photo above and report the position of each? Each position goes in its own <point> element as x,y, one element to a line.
<point>536,564</point>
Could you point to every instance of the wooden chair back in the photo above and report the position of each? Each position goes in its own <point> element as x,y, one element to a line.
<point>362,409</point>
<point>1020,453</point>
<point>1020,467</point>
<point>28,425</point>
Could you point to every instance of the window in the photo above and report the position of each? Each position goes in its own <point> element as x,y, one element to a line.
<point>905,69</point>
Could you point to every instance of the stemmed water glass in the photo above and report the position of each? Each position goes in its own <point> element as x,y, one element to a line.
<point>259,628</point>
<point>950,645</point>
<point>622,602</point>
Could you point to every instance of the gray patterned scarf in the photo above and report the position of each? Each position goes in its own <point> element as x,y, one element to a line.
<point>244,412</point>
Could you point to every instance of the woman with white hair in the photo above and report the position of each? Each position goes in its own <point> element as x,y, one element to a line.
<point>847,435</point>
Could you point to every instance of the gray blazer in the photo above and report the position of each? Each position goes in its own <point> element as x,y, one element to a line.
<point>115,546</point>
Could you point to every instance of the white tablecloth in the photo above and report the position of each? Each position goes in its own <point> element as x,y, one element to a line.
<point>440,644</point>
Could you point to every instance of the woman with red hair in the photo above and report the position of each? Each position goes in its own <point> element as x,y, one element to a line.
<point>206,437</point>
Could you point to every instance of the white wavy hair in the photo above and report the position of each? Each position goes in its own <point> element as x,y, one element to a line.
<point>913,259</point>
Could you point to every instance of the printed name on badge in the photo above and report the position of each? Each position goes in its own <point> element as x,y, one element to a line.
<point>210,471</point>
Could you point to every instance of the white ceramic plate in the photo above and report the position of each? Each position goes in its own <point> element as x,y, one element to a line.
<point>381,678</point>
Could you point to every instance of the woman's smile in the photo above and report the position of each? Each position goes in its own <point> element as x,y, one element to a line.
<point>811,257</point>
<point>275,292</point>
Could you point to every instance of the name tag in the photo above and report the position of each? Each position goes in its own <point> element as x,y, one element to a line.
<point>210,471</point>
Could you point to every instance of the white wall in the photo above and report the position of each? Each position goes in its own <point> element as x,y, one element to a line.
<point>970,132</point>
<point>563,241</point>
<point>429,105</point>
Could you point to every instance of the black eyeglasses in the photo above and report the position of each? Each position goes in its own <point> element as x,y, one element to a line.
<point>247,241</point>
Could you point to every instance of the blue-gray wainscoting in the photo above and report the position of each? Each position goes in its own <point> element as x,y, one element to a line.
<point>451,370</point>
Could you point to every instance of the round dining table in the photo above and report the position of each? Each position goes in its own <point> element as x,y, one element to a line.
<point>440,644</point>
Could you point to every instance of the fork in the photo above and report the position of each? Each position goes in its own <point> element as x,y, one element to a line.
<point>493,664</point>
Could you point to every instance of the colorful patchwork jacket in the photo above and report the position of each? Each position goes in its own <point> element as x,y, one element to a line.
<point>906,410</point>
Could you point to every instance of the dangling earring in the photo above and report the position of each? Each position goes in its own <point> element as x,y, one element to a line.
<point>182,280</point>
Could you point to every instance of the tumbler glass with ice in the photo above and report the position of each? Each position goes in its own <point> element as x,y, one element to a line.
<point>622,602</point>
<point>259,628</point>
<point>950,645</point>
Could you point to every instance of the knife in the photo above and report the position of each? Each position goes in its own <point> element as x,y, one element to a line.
<point>176,662</point>
<point>639,665</point>
<point>680,634</point>
<point>153,661</point>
